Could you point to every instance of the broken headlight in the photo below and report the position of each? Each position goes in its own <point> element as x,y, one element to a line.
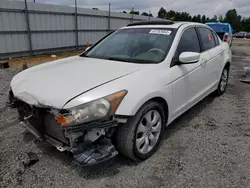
<point>91,111</point>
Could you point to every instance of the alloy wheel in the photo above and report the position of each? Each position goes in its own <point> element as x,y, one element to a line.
<point>224,79</point>
<point>148,132</point>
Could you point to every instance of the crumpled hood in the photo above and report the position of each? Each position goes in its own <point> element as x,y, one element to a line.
<point>53,84</point>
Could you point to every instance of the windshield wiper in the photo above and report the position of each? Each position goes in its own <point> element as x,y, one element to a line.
<point>118,59</point>
<point>128,60</point>
<point>83,55</point>
<point>131,60</point>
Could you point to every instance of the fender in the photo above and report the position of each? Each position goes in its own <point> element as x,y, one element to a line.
<point>130,105</point>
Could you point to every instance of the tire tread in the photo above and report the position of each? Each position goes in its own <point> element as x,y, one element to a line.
<point>125,133</point>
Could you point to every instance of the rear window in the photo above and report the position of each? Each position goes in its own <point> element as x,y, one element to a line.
<point>207,38</point>
<point>216,39</point>
<point>219,28</point>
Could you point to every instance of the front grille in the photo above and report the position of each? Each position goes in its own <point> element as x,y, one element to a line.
<point>26,110</point>
<point>31,115</point>
<point>54,129</point>
<point>42,120</point>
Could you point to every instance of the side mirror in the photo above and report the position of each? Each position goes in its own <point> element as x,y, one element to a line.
<point>189,57</point>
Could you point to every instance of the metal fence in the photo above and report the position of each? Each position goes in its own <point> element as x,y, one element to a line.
<point>32,28</point>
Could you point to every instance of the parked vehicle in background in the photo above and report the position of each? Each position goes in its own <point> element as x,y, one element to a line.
<point>248,35</point>
<point>223,30</point>
<point>241,34</point>
<point>120,93</point>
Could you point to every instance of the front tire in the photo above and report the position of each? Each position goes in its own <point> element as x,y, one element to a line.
<point>223,81</point>
<point>140,137</point>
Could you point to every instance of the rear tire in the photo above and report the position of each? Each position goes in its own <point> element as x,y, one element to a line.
<point>140,137</point>
<point>231,44</point>
<point>223,81</point>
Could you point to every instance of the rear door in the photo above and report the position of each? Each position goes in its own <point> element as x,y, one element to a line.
<point>217,53</point>
<point>212,68</point>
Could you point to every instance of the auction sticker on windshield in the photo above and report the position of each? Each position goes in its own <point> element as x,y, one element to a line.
<point>160,32</point>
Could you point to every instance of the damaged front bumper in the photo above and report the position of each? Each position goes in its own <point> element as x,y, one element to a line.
<point>89,143</point>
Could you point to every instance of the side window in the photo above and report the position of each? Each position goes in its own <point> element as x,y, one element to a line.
<point>207,38</point>
<point>189,42</point>
<point>216,39</point>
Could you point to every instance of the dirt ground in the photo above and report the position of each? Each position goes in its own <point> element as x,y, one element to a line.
<point>241,46</point>
<point>206,147</point>
<point>38,59</point>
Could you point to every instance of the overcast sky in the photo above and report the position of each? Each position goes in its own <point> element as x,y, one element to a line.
<point>207,7</point>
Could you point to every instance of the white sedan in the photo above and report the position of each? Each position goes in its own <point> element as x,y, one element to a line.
<point>119,94</point>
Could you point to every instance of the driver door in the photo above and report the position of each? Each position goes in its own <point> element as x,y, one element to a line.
<point>188,78</point>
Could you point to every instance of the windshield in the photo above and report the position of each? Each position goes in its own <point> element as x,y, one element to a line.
<point>136,45</point>
<point>219,28</point>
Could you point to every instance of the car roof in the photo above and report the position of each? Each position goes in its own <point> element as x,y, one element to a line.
<point>230,30</point>
<point>217,23</point>
<point>160,24</point>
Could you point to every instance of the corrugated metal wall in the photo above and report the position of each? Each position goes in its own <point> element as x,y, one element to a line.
<point>39,28</point>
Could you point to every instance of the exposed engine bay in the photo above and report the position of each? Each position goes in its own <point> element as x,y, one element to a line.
<point>89,143</point>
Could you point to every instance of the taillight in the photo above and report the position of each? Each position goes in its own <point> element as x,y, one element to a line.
<point>225,38</point>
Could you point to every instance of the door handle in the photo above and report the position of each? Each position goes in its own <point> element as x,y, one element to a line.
<point>221,51</point>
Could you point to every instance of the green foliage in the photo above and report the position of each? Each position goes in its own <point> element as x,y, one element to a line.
<point>246,24</point>
<point>234,19</point>
<point>144,14</point>
<point>203,19</point>
<point>134,12</point>
<point>237,22</point>
<point>162,13</point>
<point>221,19</point>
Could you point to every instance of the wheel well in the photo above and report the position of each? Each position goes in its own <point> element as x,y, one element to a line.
<point>164,104</point>
<point>227,65</point>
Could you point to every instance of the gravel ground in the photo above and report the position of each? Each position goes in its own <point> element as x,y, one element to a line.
<point>206,147</point>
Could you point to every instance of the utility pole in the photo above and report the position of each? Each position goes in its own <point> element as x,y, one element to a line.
<point>109,17</point>
<point>76,25</point>
<point>132,14</point>
<point>28,27</point>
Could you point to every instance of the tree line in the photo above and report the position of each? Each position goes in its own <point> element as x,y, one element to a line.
<point>138,13</point>
<point>237,22</point>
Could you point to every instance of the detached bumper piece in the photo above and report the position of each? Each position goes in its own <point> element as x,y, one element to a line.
<point>96,155</point>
